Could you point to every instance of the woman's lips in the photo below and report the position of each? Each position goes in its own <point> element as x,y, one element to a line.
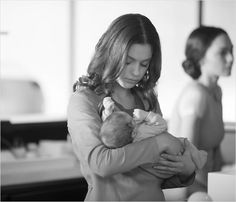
<point>132,81</point>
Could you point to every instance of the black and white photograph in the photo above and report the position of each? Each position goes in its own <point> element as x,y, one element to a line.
<point>118,100</point>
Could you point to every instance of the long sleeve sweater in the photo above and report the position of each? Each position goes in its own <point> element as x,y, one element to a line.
<point>112,174</point>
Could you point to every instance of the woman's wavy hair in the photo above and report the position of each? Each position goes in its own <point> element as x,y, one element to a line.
<point>197,44</point>
<point>111,54</point>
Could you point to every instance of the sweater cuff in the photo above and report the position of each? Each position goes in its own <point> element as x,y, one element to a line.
<point>188,180</point>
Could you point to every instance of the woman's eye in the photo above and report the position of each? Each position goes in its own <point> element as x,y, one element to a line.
<point>223,52</point>
<point>145,65</point>
<point>128,63</point>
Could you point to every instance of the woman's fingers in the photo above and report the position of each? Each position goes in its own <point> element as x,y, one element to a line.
<point>174,158</point>
<point>167,170</point>
<point>170,164</point>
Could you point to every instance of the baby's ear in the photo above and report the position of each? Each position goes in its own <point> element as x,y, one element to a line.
<point>133,123</point>
<point>136,121</point>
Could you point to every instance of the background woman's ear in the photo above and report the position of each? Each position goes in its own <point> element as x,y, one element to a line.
<point>201,62</point>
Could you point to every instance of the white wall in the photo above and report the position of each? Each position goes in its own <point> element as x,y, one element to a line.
<point>35,45</point>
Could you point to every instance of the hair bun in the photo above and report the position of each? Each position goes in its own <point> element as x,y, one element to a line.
<point>191,68</point>
<point>188,64</point>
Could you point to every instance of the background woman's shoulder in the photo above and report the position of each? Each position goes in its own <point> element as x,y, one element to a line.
<point>195,87</point>
<point>195,91</point>
<point>193,99</point>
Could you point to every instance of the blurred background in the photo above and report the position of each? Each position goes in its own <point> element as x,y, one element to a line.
<point>47,44</point>
<point>51,42</point>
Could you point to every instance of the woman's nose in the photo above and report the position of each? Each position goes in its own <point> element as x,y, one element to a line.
<point>136,69</point>
<point>230,57</point>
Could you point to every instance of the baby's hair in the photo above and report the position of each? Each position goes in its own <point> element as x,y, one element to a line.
<point>116,131</point>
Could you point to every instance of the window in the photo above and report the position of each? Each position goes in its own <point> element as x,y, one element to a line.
<point>35,45</point>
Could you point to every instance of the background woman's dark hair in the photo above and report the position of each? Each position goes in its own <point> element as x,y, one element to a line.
<point>197,44</point>
<point>111,53</point>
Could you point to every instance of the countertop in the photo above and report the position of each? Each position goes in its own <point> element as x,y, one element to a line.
<point>32,170</point>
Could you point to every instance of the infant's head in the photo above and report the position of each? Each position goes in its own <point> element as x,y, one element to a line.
<point>116,130</point>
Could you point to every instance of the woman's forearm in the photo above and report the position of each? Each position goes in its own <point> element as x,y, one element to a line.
<point>106,162</point>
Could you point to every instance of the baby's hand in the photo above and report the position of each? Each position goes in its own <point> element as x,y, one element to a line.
<point>139,115</point>
<point>156,119</point>
<point>108,104</point>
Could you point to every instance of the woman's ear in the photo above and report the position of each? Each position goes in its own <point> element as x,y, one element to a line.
<point>202,62</point>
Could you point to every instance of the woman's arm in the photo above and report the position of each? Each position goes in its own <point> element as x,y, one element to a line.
<point>182,167</point>
<point>84,124</point>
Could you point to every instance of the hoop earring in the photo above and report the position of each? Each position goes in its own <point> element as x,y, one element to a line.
<point>144,80</point>
<point>146,77</point>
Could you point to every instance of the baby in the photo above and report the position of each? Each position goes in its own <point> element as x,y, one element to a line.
<point>119,129</point>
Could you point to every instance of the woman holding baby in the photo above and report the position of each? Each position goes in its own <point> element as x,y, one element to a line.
<point>126,67</point>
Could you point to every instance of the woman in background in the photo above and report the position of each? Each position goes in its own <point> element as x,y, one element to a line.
<point>126,66</point>
<point>198,111</point>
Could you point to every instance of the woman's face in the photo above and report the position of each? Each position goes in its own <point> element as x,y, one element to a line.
<point>219,58</point>
<point>137,63</point>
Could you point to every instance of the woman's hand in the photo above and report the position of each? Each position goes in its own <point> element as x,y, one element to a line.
<point>177,164</point>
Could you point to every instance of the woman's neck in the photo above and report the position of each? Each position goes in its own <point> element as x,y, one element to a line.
<point>211,85</point>
<point>208,81</point>
<point>123,96</point>
<point>120,91</point>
